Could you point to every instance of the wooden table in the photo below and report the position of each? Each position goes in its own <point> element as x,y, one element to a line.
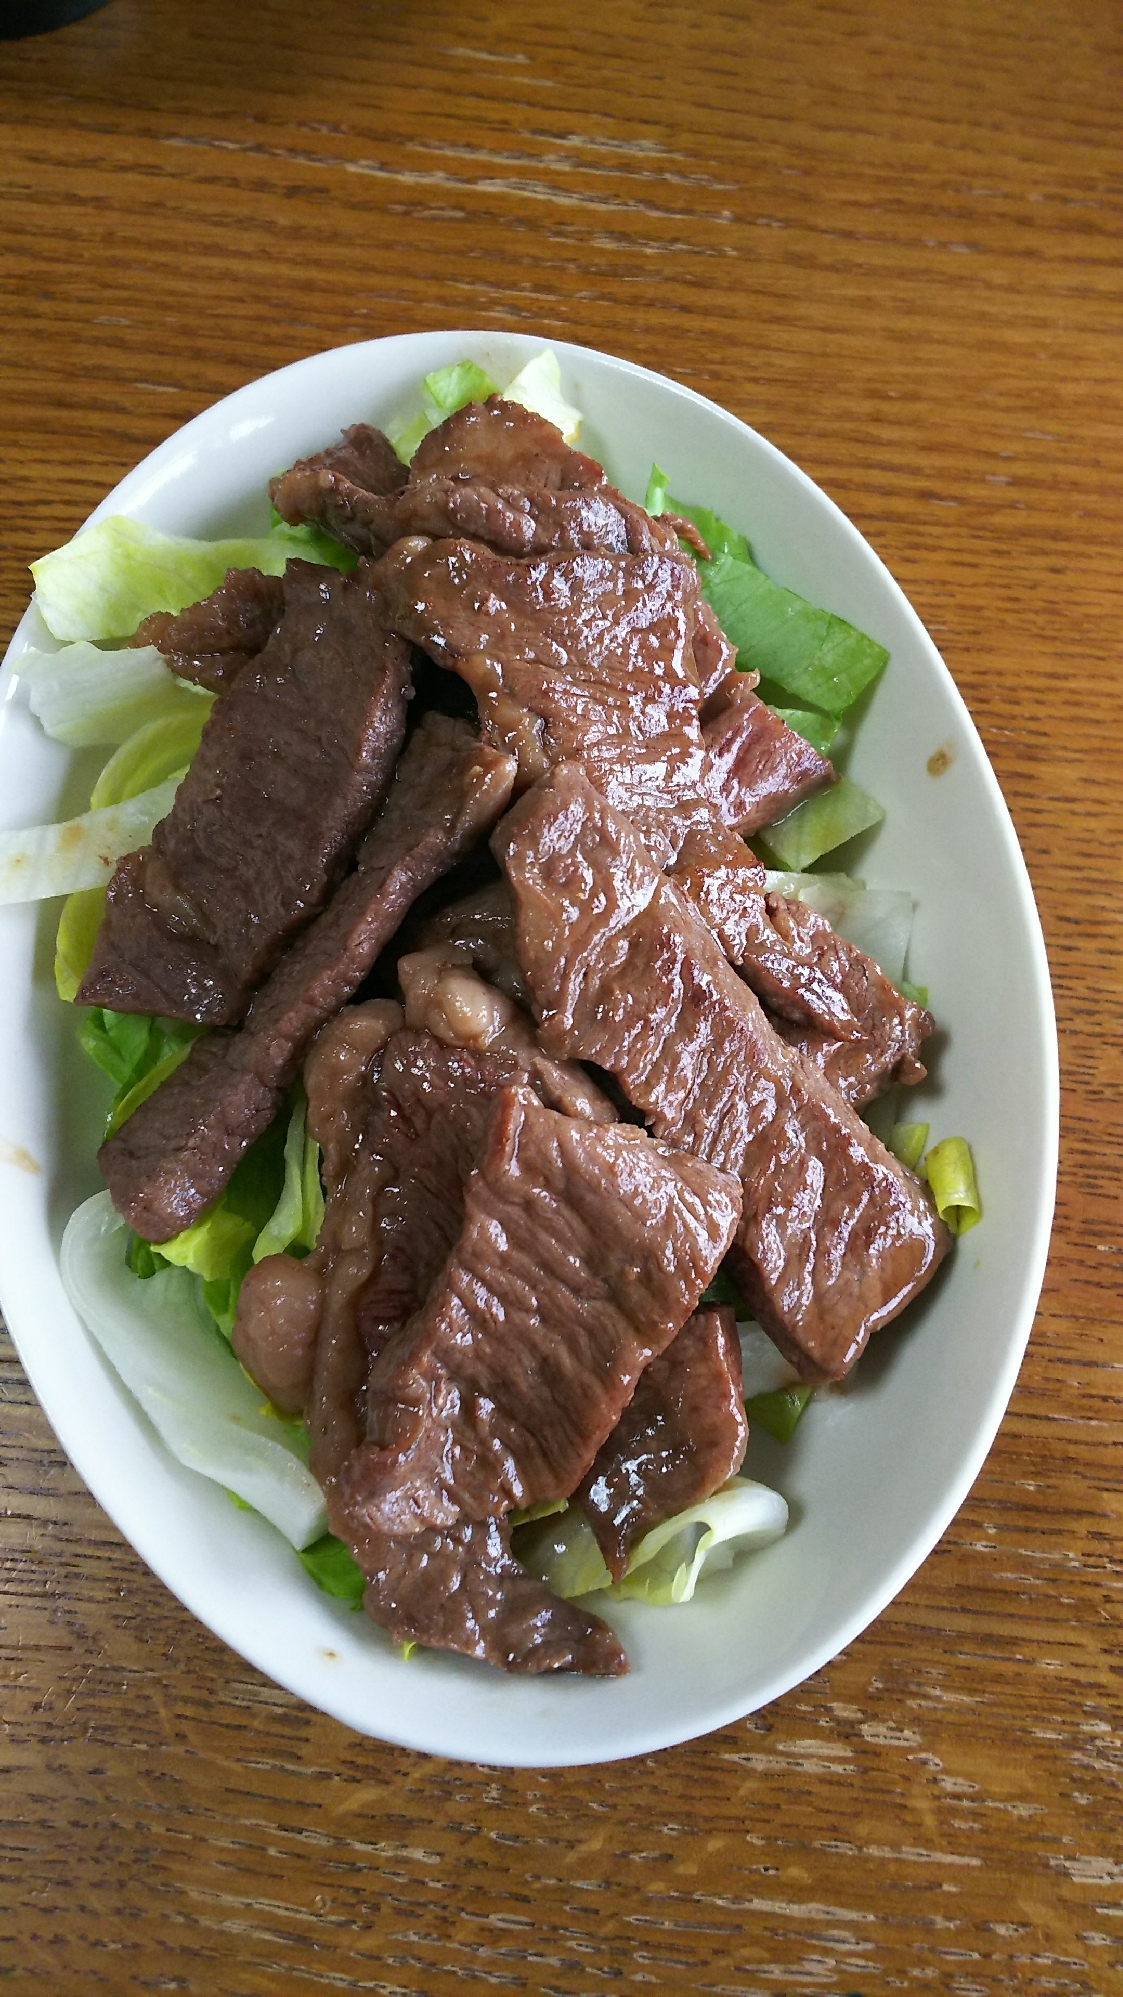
<point>889,237</point>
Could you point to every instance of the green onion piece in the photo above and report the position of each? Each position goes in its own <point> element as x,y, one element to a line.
<point>906,1141</point>
<point>818,729</point>
<point>332,1569</point>
<point>810,653</point>
<point>821,823</point>
<point>951,1175</point>
<point>779,1412</point>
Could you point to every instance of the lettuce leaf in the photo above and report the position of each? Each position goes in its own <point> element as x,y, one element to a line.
<point>134,1050</point>
<point>537,386</point>
<point>812,654</point>
<point>163,1346</point>
<point>85,697</point>
<point>442,393</point>
<point>668,1563</point>
<point>111,576</point>
<point>43,860</point>
<point>332,1569</point>
<point>821,823</point>
<point>818,729</point>
<point>780,1410</point>
<point>295,1220</point>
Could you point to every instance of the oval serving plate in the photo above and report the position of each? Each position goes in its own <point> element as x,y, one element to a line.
<point>875,1472</point>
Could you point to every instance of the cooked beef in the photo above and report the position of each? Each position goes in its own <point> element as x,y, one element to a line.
<point>504,444</point>
<point>280,1303</point>
<point>462,1589</point>
<point>584,1249</point>
<point>445,996</point>
<point>714,656</point>
<point>322,488</point>
<point>480,928</point>
<point>890,1028</point>
<point>454,1590</point>
<point>211,641</point>
<point>717,874</point>
<point>583,656</point>
<point>758,769</point>
<point>293,762</point>
<point>681,1436</point>
<point>836,1236</point>
<point>178,1149</point>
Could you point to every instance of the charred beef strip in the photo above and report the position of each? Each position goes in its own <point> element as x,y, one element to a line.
<point>179,1147</point>
<point>458,1589</point>
<point>836,1236</point>
<point>584,1249</point>
<point>325,488</point>
<point>293,762</point>
<point>682,1435</point>
<point>211,641</point>
<point>757,768</point>
<point>582,656</point>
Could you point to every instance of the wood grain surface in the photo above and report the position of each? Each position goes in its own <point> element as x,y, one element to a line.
<point>889,237</point>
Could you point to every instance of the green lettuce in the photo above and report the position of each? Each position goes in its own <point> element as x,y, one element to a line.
<point>780,1410</point>
<point>818,729</point>
<point>39,861</point>
<point>332,1569</point>
<point>85,697</point>
<point>113,575</point>
<point>666,1566</point>
<point>821,823</point>
<point>442,393</point>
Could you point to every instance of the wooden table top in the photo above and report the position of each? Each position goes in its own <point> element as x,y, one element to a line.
<point>889,238</point>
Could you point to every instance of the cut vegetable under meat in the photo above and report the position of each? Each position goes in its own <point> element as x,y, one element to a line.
<point>293,763</point>
<point>836,1236</point>
<point>178,1149</point>
<point>682,1435</point>
<point>584,1249</point>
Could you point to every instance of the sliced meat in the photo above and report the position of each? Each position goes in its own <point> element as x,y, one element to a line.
<point>480,928</point>
<point>276,1326</point>
<point>836,1236</point>
<point>758,769</point>
<point>583,1251</point>
<point>714,656</point>
<point>446,997</point>
<point>582,656</point>
<point>463,1590</point>
<point>718,875</point>
<point>890,1029</point>
<point>178,1149</point>
<point>293,763</point>
<point>459,1589</point>
<point>682,1435</point>
<point>504,444</point>
<point>322,488</point>
<point>211,641</point>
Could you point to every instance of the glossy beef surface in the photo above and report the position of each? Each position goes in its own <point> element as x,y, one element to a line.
<point>758,769</point>
<point>212,640</point>
<point>292,765</point>
<point>178,1149</point>
<point>836,1237</point>
<point>584,1248</point>
<point>682,1436</point>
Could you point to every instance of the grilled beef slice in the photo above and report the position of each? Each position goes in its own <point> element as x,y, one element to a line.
<point>836,1236</point>
<point>178,1149</point>
<point>480,928</point>
<point>211,641</point>
<point>293,762</point>
<point>891,1029</point>
<point>680,1438</point>
<point>459,1589</point>
<point>584,1249</point>
<point>582,656</point>
<point>757,768</point>
<point>326,487</point>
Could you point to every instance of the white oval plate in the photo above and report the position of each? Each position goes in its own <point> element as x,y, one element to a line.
<point>873,1475</point>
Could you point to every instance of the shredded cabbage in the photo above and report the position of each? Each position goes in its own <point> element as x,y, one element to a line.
<point>668,1563</point>
<point>85,697</point>
<point>163,1346</point>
